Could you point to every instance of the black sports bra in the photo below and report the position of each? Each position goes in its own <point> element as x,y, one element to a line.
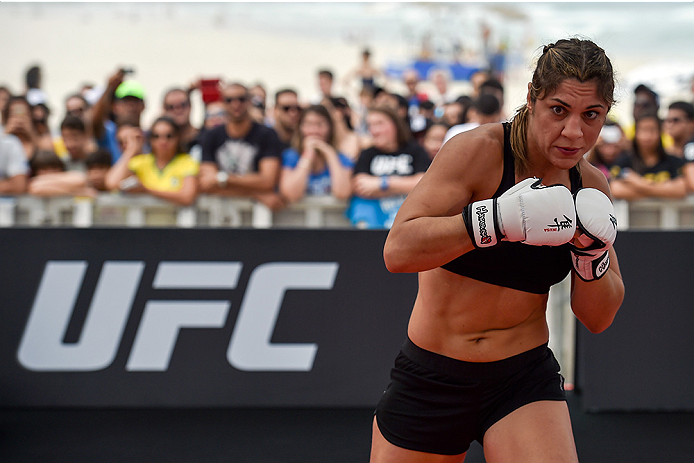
<point>516,265</point>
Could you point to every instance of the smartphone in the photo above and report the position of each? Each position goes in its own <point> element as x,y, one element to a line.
<point>127,70</point>
<point>210,90</point>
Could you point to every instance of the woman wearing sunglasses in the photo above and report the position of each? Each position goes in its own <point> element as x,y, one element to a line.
<point>166,172</point>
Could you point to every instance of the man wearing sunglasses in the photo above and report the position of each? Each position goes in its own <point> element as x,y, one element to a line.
<point>286,112</point>
<point>176,105</point>
<point>241,158</point>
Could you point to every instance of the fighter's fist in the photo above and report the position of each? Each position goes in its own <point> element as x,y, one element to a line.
<point>598,226</point>
<point>528,212</point>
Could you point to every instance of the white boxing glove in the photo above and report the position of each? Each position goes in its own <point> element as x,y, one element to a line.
<point>598,226</point>
<point>528,212</point>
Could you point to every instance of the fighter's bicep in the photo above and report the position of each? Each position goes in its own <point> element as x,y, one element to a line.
<point>463,167</point>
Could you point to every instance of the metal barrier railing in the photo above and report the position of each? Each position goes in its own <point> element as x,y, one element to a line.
<point>215,211</point>
<point>143,210</point>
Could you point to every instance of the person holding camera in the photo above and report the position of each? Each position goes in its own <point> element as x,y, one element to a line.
<point>126,100</point>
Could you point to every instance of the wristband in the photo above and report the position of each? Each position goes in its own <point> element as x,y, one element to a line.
<point>589,267</point>
<point>481,223</point>
<point>385,183</point>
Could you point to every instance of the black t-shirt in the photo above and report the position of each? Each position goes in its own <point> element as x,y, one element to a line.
<point>668,168</point>
<point>408,160</point>
<point>240,155</point>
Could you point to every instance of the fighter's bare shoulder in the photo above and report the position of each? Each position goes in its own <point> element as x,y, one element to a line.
<point>592,177</point>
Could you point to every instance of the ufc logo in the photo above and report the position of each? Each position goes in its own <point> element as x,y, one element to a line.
<point>42,347</point>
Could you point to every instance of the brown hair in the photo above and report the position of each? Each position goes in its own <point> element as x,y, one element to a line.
<point>322,111</point>
<point>174,128</point>
<point>567,58</point>
<point>44,159</point>
<point>402,132</point>
<point>637,160</point>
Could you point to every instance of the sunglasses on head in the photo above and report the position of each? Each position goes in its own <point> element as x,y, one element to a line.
<point>231,99</point>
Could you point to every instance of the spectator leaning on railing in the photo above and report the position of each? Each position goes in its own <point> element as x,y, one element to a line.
<point>312,165</point>
<point>241,158</point>
<point>49,177</point>
<point>166,172</point>
<point>648,171</point>
<point>386,172</point>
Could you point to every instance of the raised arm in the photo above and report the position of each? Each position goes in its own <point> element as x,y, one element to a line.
<point>103,106</point>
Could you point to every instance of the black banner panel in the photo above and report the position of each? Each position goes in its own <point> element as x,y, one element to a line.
<point>645,360</point>
<point>254,318</point>
<point>198,317</point>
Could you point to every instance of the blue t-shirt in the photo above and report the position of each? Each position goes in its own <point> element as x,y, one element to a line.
<point>108,140</point>
<point>318,183</point>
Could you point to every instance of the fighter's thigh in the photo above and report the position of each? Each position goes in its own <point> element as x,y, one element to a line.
<point>537,432</point>
<point>383,451</point>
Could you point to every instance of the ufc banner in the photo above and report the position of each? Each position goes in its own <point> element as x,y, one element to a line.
<point>645,360</point>
<point>198,317</point>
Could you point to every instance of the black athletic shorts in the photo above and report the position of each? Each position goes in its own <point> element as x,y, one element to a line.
<point>437,404</point>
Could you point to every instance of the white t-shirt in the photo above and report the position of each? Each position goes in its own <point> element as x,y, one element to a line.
<point>460,128</point>
<point>13,161</point>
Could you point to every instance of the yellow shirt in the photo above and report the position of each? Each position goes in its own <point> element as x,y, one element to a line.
<point>60,149</point>
<point>168,179</point>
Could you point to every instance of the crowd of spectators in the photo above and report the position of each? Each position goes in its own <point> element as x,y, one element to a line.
<point>370,152</point>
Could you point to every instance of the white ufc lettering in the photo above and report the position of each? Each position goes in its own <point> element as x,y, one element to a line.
<point>392,165</point>
<point>250,347</point>
<point>42,347</point>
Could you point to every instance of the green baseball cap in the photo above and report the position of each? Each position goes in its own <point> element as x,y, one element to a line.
<point>130,88</point>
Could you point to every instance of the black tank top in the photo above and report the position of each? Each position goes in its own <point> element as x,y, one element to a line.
<point>516,265</point>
